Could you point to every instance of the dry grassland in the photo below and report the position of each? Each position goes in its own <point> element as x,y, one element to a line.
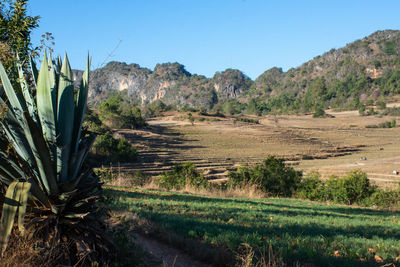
<point>329,145</point>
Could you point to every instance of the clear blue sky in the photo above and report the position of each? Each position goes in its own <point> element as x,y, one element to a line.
<point>209,35</point>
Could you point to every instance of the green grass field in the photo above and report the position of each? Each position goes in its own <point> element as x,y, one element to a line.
<point>297,231</point>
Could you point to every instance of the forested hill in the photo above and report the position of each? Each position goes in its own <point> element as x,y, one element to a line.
<point>366,68</point>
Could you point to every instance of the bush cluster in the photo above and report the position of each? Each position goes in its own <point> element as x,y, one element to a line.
<point>114,150</point>
<point>272,177</point>
<point>182,175</point>
<point>118,113</point>
<point>354,188</point>
<point>386,124</point>
<point>247,120</point>
<point>107,148</point>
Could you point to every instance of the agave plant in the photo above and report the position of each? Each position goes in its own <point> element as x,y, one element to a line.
<point>43,149</point>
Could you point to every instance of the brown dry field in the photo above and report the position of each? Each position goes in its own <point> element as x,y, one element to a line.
<point>329,145</point>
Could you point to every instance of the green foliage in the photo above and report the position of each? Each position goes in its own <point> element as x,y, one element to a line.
<point>381,104</point>
<point>319,113</point>
<point>354,188</point>
<point>155,108</point>
<point>93,123</point>
<point>182,175</point>
<point>389,82</point>
<point>386,124</point>
<point>15,30</point>
<point>361,110</point>
<point>311,187</point>
<point>272,177</point>
<point>190,118</point>
<point>230,107</point>
<point>186,108</point>
<point>106,148</point>
<point>383,198</point>
<point>389,47</point>
<point>247,120</point>
<point>394,111</point>
<point>120,114</point>
<point>106,175</point>
<point>109,149</point>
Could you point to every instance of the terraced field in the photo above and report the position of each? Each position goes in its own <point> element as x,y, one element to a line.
<point>330,145</point>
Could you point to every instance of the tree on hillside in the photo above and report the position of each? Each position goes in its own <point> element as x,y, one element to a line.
<point>15,30</point>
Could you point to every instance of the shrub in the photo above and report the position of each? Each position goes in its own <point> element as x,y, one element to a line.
<point>357,186</point>
<point>381,104</point>
<point>319,113</point>
<point>181,175</point>
<point>105,174</point>
<point>247,120</point>
<point>311,187</point>
<point>93,123</point>
<point>383,198</point>
<point>111,149</point>
<point>119,114</point>
<point>156,108</point>
<point>386,124</point>
<point>361,110</point>
<point>190,118</point>
<point>394,111</point>
<point>353,188</point>
<point>272,177</point>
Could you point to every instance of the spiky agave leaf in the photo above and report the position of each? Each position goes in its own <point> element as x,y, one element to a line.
<point>15,199</point>
<point>48,153</point>
<point>65,119</point>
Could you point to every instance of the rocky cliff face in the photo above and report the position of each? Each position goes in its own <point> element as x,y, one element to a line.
<point>169,82</point>
<point>230,83</point>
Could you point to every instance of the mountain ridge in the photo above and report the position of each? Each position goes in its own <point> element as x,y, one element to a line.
<point>365,61</point>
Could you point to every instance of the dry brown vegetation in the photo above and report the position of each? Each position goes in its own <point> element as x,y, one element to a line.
<point>332,146</point>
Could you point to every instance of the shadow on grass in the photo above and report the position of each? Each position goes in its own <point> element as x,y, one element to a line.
<point>297,204</point>
<point>306,242</point>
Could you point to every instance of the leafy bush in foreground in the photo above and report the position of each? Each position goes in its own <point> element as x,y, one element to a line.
<point>272,177</point>
<point>311,187</point>
<point>354,188</point>
<point>181,175</point>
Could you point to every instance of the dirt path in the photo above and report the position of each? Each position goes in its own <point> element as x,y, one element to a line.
<point>169,256</point>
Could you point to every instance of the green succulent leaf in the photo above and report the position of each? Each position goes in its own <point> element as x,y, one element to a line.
<point>34,70</point>
<point>26,93</point>
<point>81,106</point>
<point>42,148</point>
<point>16,198</point>
<point>65,119</point>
